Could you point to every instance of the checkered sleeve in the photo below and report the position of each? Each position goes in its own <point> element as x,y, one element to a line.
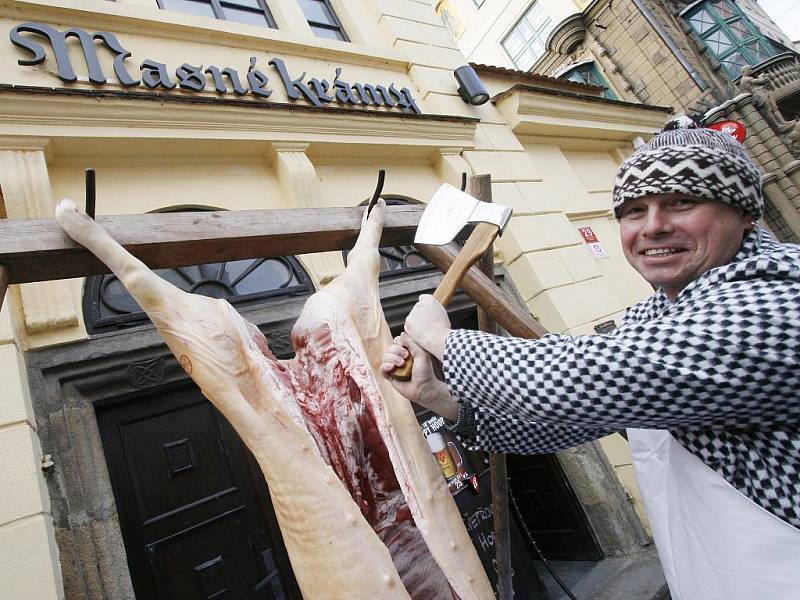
<point>728,356</point>
<point>481,428</point>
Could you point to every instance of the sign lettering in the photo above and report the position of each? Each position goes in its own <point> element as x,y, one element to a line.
<point>195,78</point>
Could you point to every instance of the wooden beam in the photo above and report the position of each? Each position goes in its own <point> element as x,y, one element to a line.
<point>38,250</point>
<point>485,293</point>
<point>481,188</point>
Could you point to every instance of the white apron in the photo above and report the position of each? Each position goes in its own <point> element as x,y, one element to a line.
<point>714,543</point>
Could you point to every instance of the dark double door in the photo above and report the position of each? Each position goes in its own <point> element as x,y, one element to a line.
<point>193,506</point>
<point>549,508</point>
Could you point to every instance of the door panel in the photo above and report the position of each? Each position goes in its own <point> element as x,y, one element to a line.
<point>193,507</point>
<point>550,509</point>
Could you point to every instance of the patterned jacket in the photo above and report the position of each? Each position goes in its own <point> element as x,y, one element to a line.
<point>719,368</point>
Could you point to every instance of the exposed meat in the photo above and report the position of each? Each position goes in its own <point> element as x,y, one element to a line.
<point>363,508</point>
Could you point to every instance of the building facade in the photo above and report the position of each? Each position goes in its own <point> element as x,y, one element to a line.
<point>119,479</point>
<point>716,60</point>
<point>713,59</point>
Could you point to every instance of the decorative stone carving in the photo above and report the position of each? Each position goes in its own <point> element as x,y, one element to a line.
<point>793,139</point>
<point>27,194</point>
<point>296,174</point>
<point>764,100</point>
<point>567,35</point>
<point>146,373</point>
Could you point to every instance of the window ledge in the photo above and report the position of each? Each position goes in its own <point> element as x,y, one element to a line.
<point>153,22</point>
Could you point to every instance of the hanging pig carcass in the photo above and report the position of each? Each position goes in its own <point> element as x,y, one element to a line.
<point>363,508</point>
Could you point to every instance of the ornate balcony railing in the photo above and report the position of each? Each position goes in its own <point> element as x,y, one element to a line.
<point>782,72</point>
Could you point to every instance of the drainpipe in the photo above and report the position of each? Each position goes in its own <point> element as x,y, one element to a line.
<point>665,36</point>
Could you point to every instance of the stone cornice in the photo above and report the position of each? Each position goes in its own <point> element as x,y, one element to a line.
<point>47,112</point>
<point>534,112</point>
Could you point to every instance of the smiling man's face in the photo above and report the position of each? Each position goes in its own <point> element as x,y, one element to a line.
<point>672,239</point>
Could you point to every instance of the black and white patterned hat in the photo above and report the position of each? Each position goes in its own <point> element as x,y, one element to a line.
<point>687,159</point>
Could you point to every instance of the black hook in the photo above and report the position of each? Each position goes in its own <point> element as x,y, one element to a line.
<point>378,189</point>
<point>464,181</point>
<point>90,192</point>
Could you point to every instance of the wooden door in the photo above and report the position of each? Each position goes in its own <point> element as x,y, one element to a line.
<point>193,506</point>
<point>549,508</point>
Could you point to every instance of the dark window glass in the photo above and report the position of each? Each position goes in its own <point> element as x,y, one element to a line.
<point>730,35</point>
<point>702,21</point>
<point>252,12</point>
<point>107,305</point>
<point>324,32</point>
<point>723,10</point>
<point>588,73</point>
<point>322,19</point>
<point>241,15</point>
<point>191,7</point>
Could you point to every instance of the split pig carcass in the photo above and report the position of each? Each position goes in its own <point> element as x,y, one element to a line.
<point>362,505</point>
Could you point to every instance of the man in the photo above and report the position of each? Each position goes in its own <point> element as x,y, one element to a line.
<point>705,373</point>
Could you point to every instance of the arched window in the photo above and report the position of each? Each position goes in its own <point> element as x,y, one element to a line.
<point>588,73</point>
<point>107,305</point>
<point>730,35</point>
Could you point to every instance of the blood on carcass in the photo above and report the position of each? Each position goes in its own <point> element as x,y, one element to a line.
<point>363,509</point>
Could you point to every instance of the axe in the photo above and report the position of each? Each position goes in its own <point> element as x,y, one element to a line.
<point>447,212</point>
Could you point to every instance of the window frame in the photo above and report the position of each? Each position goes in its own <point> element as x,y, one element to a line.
<point>217,9</point>
<point>514,29</point>
<point>337,26</point>
<point>591,67</point>
<point>97,323</point>
<point>739,44</point>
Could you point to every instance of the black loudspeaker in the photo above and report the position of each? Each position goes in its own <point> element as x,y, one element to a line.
<point>470,87</point>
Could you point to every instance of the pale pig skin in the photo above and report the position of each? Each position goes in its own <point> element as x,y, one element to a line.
<point>335,553</point>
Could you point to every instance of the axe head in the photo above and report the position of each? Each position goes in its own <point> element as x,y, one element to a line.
<point>450,209</point>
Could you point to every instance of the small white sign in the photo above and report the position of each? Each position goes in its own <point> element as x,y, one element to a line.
<point>598,250</point>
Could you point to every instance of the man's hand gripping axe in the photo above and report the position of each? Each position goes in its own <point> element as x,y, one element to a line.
<point>447,212</point>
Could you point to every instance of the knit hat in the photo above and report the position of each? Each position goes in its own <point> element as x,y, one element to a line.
<point>687,159</point>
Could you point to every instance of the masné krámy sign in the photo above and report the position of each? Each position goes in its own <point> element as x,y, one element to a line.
<point>156,75</point>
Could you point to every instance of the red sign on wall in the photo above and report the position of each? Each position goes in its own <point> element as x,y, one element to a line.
<point>588,235</point>
<point>732,128</point>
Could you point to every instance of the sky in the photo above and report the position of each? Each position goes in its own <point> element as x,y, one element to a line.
<point>786,13</point>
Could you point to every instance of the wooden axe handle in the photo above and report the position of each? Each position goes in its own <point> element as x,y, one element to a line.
<point>479,240</point>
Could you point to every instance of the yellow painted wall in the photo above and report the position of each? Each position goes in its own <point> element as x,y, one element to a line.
<point>29,569</point>
<point>580,290</point>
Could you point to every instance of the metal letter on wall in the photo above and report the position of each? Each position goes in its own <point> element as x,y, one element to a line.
<point>58,42</point>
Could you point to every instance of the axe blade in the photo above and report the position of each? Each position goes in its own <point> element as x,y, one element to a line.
<point>450,209</point>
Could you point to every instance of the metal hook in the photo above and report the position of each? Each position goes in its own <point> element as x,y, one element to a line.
<point>90,192</point>
<point>464,181</point>
<point>378,189</point>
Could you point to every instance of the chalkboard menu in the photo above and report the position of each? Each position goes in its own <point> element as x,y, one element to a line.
<point>472,492</point>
